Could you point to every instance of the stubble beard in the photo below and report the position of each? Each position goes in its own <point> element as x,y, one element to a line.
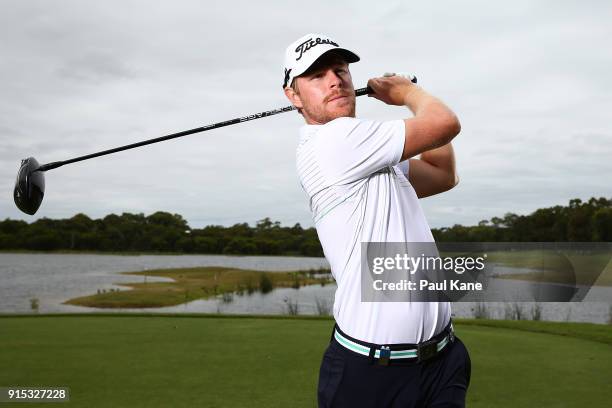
<point>319,114</point>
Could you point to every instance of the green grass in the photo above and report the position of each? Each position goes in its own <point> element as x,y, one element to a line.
<point>220,361</point>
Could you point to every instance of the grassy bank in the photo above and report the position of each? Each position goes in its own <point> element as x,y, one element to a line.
<point>221,361</point>
<point>139,253</point>
<point>189,284</point>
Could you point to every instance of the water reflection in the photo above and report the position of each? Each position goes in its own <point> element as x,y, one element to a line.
<point>53,278</point>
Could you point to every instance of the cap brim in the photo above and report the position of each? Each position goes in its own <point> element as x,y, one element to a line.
<point>349,57</point>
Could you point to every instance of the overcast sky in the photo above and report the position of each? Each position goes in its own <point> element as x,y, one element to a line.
<point>530,82</point>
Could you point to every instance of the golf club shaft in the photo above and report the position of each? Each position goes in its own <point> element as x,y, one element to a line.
<point>54,165</point>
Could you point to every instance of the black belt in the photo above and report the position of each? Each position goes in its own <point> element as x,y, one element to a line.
<point>397,352</point>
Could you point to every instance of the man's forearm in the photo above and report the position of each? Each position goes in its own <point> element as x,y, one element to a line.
<point>422,103</point>
<point>434,172</point>
<point>434,125</point>
<point>443,158</point>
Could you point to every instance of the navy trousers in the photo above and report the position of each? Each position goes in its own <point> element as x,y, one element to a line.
<point>348,379</point>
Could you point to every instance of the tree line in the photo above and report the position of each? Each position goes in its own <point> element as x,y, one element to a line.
<point>589,221</point>
<point>164,232</point>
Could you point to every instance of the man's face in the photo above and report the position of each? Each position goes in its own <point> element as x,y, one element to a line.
<point>325,91</point>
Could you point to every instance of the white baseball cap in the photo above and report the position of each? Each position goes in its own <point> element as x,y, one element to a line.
<point>304,51</point>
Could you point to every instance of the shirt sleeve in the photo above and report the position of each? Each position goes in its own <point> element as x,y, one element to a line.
<point>351,149</point>
<point>404,167</point>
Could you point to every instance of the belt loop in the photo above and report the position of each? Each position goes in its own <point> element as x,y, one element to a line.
<point>372,354</point>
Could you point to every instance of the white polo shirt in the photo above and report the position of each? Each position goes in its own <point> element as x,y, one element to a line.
<point>358,192</point>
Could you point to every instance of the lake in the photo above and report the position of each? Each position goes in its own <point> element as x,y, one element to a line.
<point>55,278</point>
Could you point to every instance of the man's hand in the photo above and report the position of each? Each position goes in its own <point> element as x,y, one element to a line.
<point>391,90</point>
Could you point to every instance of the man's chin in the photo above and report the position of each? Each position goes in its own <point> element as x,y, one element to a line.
<point>329,115</point>
<point>342,112</point>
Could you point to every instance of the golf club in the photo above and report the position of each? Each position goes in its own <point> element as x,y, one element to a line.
<point>30,184</point>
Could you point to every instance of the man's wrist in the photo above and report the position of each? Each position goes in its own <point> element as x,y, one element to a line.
<point>413,96</point>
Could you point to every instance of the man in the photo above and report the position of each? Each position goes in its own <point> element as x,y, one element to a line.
<point>363,188</point>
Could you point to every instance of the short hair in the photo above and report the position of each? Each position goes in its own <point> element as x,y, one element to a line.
<point>295,88</point>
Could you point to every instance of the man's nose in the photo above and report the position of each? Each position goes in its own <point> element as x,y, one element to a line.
<point>333,79</point>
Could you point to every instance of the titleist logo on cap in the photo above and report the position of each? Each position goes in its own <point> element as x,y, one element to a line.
<point>309,43</point>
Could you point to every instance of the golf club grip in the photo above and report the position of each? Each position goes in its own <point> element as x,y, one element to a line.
<point>363,91</point>
<point>368,90</point>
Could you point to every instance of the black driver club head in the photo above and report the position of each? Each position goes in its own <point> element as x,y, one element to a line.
<point>29,187</point>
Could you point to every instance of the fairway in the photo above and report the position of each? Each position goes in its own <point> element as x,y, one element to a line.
<point>219,361</point>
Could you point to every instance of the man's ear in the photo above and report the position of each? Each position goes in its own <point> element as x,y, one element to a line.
<point>293,97</point>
